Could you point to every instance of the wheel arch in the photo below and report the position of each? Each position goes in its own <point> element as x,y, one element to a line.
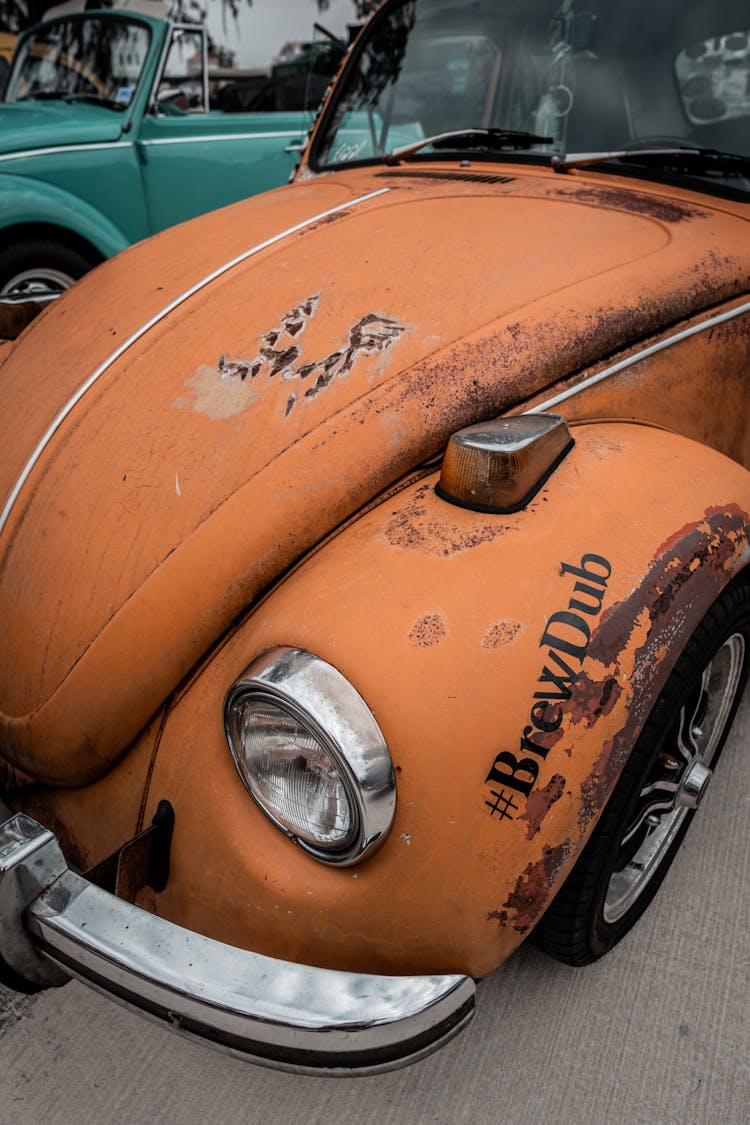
<point>52,232</point>
<point>27,204</point>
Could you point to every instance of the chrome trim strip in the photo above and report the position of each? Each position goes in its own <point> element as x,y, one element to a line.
<point>281,1014</point>
<point>126,344</point>
<point>319,697</point>
<point>608,372</point>
<point>222,137</point>
<point>52,149</point>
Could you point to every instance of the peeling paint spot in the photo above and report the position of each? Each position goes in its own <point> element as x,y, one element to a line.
<point>216,398</point>
<point>499,634</point>
<point>428,630</point>
<point>405,837</point>
<point>656,619</point>
<point>533,887</point>
<point>370,335</point>
<point>539,802</point>
<point>177,488</point>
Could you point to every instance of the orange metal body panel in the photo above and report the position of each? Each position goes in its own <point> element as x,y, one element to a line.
<point>146,560</point>
<point>438,616</point>
<point>558,272</point>
<point>92,821</point>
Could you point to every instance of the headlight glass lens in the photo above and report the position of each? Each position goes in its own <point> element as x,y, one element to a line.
<point>291,774</point>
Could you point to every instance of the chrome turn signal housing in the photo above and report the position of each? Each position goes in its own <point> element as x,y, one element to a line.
<point>500,465</point>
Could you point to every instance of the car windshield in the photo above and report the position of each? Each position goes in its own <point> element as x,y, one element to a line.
<point>97,59</point>
<point>546,79</point>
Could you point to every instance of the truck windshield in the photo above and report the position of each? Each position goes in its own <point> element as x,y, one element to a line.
<point>97,59</point>
<point>572,77</point>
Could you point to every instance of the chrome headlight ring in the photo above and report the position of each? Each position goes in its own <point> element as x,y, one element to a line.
<point>297,730</point>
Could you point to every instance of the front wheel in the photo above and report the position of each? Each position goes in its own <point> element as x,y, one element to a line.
<point>655,799</point>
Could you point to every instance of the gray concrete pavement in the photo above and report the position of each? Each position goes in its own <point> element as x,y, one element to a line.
<point>658,1033</point>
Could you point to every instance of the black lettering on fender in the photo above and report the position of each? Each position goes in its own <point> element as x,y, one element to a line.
<point>514,774</point>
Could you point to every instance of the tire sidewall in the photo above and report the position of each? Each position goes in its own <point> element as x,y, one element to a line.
<point>729,614</point>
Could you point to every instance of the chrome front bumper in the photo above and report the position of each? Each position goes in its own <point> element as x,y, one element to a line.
<point>54,924</point>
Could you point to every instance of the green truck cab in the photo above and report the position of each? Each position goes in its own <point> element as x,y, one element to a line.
<point>108,135</point>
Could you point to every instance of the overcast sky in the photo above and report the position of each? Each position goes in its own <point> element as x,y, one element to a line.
<point>264,28</point>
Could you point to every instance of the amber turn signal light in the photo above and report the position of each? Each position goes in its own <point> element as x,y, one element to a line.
<point>500,465</point>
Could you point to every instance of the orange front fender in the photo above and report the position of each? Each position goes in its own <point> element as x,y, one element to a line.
<point>510,662</point>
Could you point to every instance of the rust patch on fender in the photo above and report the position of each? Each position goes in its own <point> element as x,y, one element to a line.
<point>414,529</point>
<point>593,698</point>
<point>428,631</point>
<point>529,897</point>
<point>540,801</point>
<point>686,576</point>
<point>501,633</point>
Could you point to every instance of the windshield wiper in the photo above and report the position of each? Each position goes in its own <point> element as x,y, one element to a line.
<point>708,159</point>
<point>494,139</point>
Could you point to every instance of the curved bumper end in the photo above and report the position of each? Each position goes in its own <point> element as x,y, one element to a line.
<point>277,1013</point>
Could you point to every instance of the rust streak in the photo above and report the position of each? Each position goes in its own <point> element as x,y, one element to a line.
<point>685,577</point>
<point>529,896</point>
<point>540,801</point>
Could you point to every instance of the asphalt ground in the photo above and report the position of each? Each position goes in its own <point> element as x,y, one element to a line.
<point>658,1032</point>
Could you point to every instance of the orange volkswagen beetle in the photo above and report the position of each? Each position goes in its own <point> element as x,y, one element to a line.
<point>375,574</point>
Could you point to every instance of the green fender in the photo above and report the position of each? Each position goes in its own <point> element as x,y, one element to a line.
<point>25,201</point>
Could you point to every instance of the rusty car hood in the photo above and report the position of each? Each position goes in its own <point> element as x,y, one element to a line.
<point>183,429</point>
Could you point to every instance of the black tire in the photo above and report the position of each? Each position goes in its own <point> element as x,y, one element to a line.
<point>627,856</point>
<point>36,264</point>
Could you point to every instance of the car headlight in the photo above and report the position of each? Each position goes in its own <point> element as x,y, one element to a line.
<point>311,755</point>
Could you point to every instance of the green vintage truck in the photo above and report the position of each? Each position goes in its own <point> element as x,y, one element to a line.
<point>109,133</point>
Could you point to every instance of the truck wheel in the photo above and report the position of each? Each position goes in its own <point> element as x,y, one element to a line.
<point>39,265</point>
<point>654,801</point>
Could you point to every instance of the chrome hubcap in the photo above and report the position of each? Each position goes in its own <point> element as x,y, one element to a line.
<point>679,778</point>
<point>37,281</point>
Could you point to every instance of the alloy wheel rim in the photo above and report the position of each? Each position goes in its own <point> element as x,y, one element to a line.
<point>678,779</point>
<point>39,280</point>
